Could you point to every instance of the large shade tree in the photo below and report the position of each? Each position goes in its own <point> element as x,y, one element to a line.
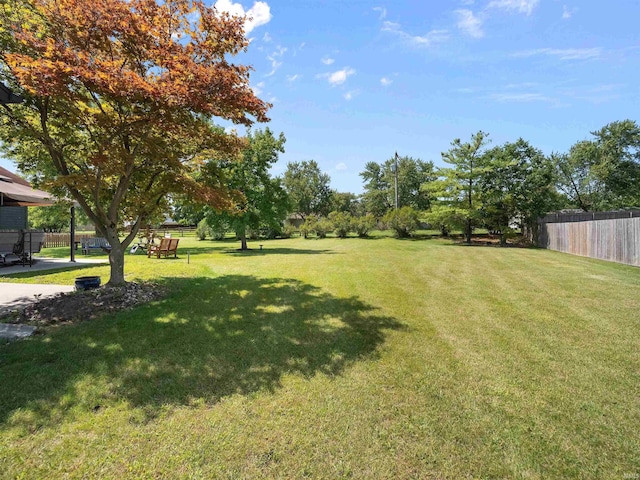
<point>308,188</point>
<point>119,96</point>
<point>380,189</point>
<point>457,199</point>
<point>578,179</point>
<point>518,188</point>
<point>604,172</point>
<point>262,200</point>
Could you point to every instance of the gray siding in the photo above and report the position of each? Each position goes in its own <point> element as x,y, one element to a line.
<point>13,218</point>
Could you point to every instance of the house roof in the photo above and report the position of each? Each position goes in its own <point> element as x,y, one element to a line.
<point>17,192</point>
<point>7,96</point>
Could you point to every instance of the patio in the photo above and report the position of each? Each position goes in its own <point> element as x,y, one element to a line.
<point>17,295</point>
<point>44,263</point>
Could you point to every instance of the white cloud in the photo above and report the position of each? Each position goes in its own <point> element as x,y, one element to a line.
<point>327,60</point>
<point>350,94</point>
<point>512,86</point>
<point>298,49</point>
<point>385,82</point>
<point>563,54</point>
<point>469,23</point>
<point>259,14</point>
<point>596,94</point>
<point>274,58</point>
<point>383,12</point>
<point>568,12</point>
<point>341,167</point>
<point>266,37</point>
<point>431,38</point>
<point>293,78</point>
<point>522,6</point>
<point>339,77</point>
<point>258,88</point>
<point>520,97</point>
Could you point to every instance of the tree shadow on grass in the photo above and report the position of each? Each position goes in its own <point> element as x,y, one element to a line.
<point>212,338</point>
<point>254,247</point>
<point>279,251</point>
<point>51,271</point>
<point>418,237</point>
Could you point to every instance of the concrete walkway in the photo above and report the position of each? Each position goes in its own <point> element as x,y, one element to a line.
<point>18,295</point>
<point>9,331</point>
<point>44,263</point>
<point>15,295</point>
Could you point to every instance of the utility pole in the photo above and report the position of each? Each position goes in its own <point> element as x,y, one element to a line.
<point>395,171</point>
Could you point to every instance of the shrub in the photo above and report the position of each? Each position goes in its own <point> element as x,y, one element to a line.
<point>403,221</point>
<point>445,218</point>
<point>218,232</point>
<point>341,222</point>
<point>323,226</point>
<point>252,233</point>
<point>270,232</point>
<point>309,225</point>
<point>363,225</point>
<point>203,230</point>
<point>288,231</point>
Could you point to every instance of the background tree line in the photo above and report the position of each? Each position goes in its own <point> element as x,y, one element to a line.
<point>502,189</point>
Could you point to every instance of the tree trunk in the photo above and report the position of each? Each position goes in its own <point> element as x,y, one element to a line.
<point>243,239</point>
<point>116,261</point>
<point>503,239</point>
<point>467,231</point>
<point>116,255</point>
<point>533,232</point>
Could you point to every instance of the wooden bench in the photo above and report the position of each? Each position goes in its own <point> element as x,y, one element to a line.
<point>94,243</point>
<point>167,247</point>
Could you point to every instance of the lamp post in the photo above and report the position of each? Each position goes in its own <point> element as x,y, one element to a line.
<point>394,169</point>
<point>72,234</point>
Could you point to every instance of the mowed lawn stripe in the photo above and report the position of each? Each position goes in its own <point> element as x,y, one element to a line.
<point>339,359</point>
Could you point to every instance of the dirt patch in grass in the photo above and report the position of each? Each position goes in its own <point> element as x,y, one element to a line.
<point>74,307</point>
<point>490,240</point>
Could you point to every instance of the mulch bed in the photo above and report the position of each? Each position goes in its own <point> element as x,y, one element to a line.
<point>74,307</point>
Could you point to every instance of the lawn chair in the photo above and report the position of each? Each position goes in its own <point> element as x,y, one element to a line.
<point>166,247</point>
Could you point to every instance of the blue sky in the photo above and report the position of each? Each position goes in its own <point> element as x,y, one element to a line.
<point>355,81</point>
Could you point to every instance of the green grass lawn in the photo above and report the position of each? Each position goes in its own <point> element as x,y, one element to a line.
<point>334,359</point>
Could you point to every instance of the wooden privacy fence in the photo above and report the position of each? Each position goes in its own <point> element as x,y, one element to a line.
<point>64,239</point>
<point>613,236</point>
